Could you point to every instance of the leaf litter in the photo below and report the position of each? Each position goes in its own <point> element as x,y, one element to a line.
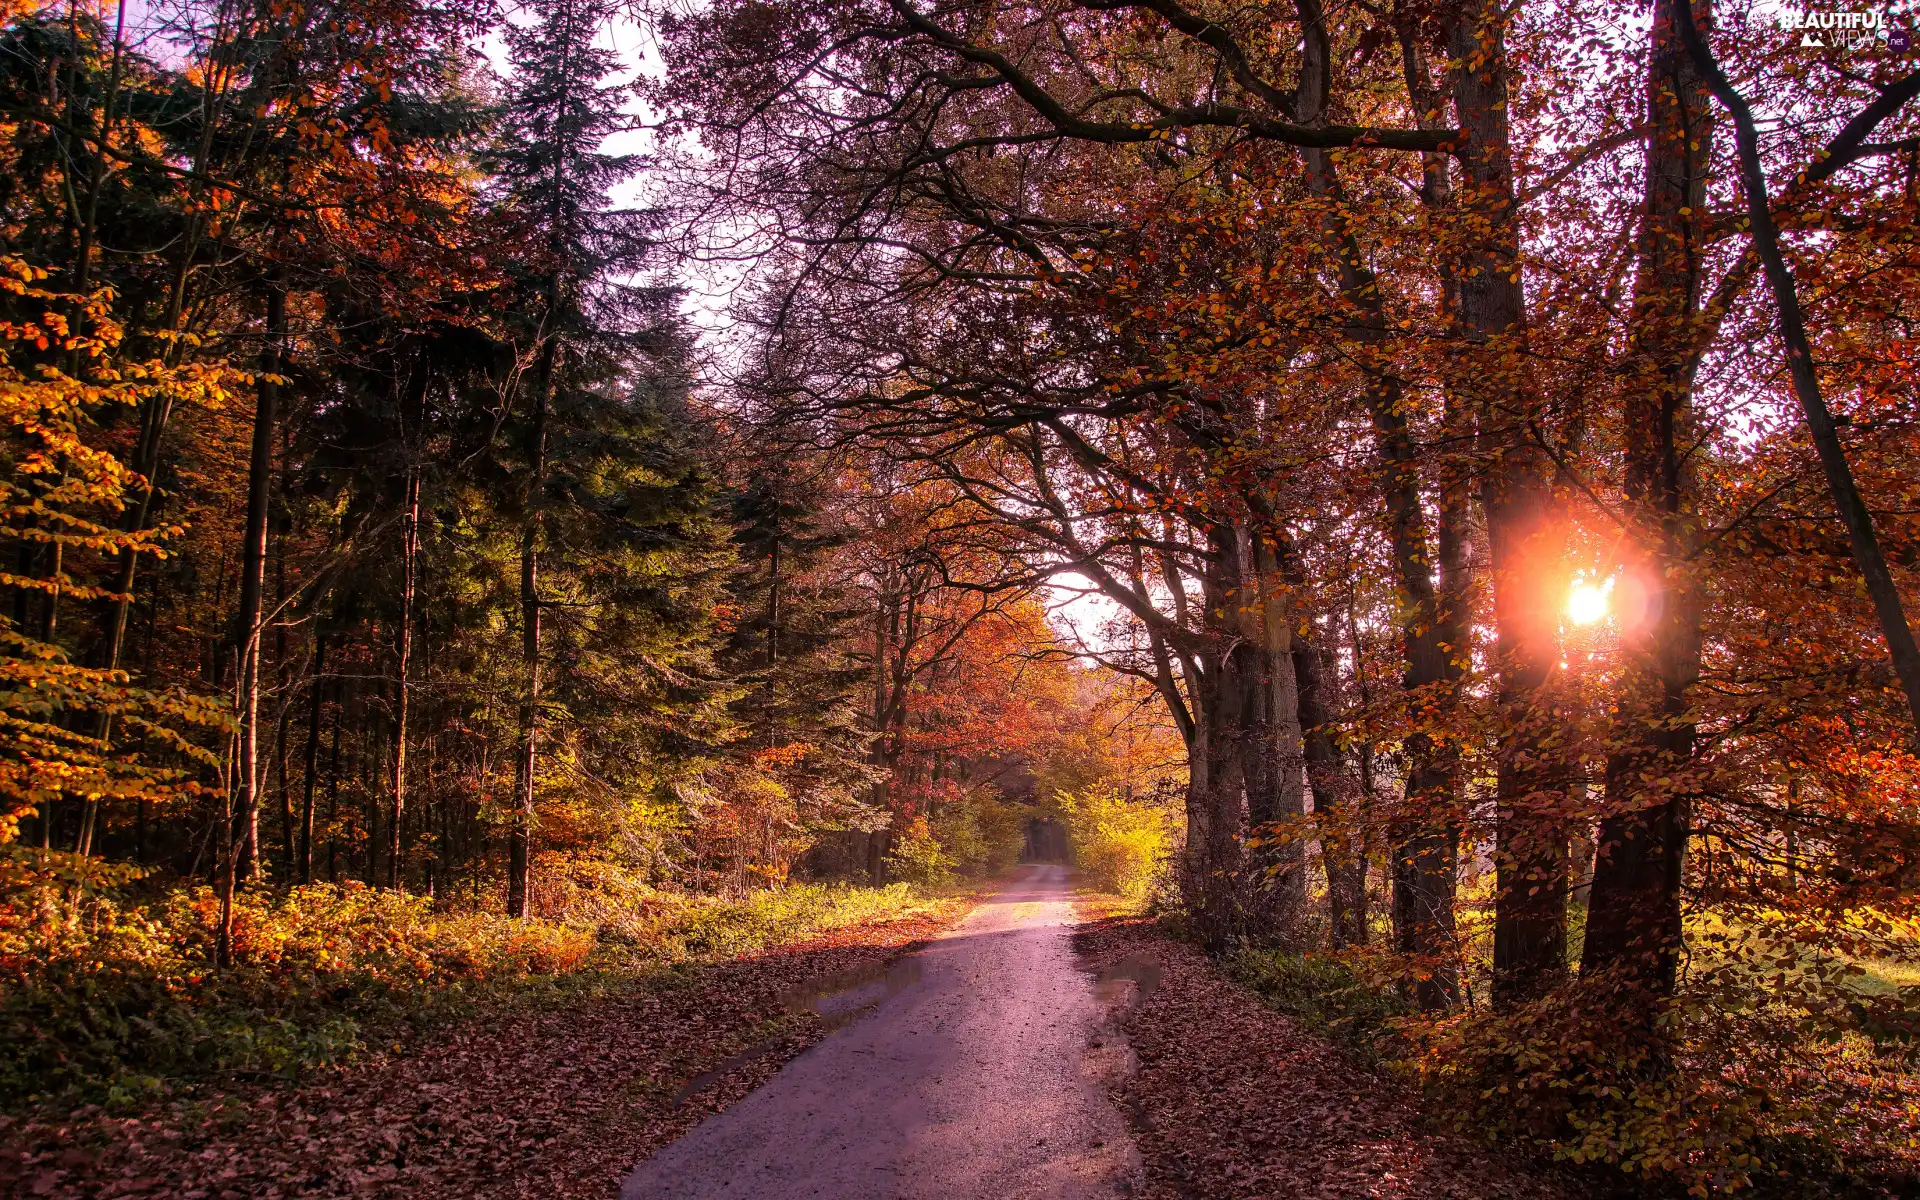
<point>1229,1098</point>
<point>550,1104</point>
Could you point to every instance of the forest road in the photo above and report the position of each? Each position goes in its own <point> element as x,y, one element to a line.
<point>970,1078</point>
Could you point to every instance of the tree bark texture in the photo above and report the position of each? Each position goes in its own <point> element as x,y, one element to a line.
<point>1523,532</point>
<point>520,834</point>
<point>316,680</point>
<point>1276,795</point>
<point>1633,921</point>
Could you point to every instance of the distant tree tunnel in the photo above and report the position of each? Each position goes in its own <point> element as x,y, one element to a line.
<point>1046,842</point>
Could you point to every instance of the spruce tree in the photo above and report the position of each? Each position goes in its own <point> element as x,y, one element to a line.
<point>618,550</point>
<point>800,690</point>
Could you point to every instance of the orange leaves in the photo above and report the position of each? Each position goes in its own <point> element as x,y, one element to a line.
<point>563,1108</point>
<point>64,493</point>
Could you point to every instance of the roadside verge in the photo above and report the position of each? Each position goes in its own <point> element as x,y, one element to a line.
<point>1230,1099</point>
<point>550,1104</point>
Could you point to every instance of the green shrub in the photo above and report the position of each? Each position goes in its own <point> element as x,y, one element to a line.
<point>918,857</point>
<point>1325,994</point>
<point>706,928</point>
<point>981,832</point>
<point>1119,842</point>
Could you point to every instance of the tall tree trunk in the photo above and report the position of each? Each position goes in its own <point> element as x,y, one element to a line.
<point>283,681</point>
<point>520,837</point>
<point>403,656</point>
<point>245,775</point>
<point>1216,873</point>
<point>1633,921</point>
<point>1276,794</point>
<point>317,677</point>
<point>1335,801</point>
<point>333,781</point>
<point>403,635</point>
<point>1424,829</point>
<point>1425,836</point>
<point>1523,532</point>
<point>772,691</point>
<point>225,857</point>
<point>371,770</point>
<point>881,756</point>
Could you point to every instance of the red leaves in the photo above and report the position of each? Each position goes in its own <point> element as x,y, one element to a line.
<point>1232,1099</point>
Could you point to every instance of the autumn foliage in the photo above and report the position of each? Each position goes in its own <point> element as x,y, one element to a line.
<point>1423,494</point>
<point>397,624</point>
<point>1484,428</point>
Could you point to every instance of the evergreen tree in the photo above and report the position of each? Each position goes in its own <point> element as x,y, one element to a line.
<point>802,691</point>
<point>614,532</point>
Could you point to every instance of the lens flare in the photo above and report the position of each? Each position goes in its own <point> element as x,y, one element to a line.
<point>1589,602</point>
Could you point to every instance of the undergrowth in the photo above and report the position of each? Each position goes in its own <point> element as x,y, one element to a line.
<point>1324,994</point>
<point>109,997</point>
<point>1749,1096</point>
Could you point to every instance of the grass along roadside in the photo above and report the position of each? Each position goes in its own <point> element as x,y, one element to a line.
<point>549,1100</point>
<point>108,998</point>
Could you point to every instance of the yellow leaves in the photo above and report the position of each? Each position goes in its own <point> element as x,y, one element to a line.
<point>61,490</point>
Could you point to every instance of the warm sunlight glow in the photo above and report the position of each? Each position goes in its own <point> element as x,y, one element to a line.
<point>1589,602</point>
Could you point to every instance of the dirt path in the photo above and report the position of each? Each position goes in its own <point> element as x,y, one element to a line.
<point>969,1077</point>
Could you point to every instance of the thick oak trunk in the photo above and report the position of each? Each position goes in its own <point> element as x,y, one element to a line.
<point>1215,877</point>
<point>1523,530</point>
<point>1633,921</point>
<point>1276,795</point>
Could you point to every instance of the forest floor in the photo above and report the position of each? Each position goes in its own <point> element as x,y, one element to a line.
<point>1024,1050</point>
<point>552,1104</point>
<point>1228,1098</point>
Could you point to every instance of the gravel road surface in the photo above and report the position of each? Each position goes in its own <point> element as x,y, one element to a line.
<point>968,1071</point>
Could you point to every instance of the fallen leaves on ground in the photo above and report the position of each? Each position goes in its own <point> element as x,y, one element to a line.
<point>1232,1099</point>
<point>553,1104</point>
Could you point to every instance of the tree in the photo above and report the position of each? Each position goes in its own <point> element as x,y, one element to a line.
<point>63,492</point>
<point>555,176</point>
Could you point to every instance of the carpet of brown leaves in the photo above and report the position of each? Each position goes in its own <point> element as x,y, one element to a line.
<point>553,1105</point>
<point>1230,1099</point>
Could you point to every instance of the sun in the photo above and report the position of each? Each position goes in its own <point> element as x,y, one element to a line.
<point>1589,602</point>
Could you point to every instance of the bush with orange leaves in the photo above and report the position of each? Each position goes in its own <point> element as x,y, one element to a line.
<point>111,996</point>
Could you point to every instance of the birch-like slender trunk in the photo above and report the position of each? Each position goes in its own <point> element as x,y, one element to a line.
<point>403,658</point>
<point>317,676</point>
<point>244,774</point>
